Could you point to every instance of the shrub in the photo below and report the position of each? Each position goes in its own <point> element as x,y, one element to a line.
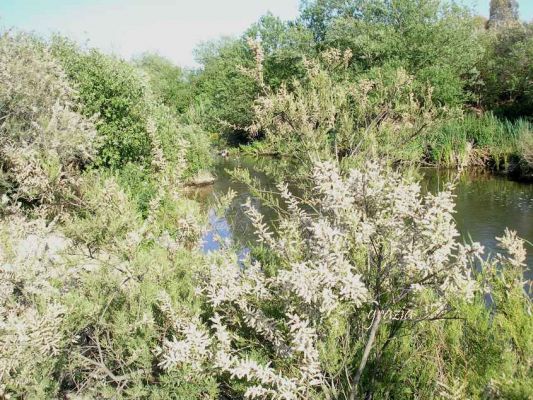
<point>107,215</point>
<point>32,338</point>
<point>306,120</point>
<point>226,94</point>
<point>506,70</point>
<point>116,92</point>
<point>79,314</point>
<point>374,258</point>
<point>177,140</point>
<point>328,113</point>
<point>83,324</point>
<point>525,150</point>
<point>45,142</point>
<point>139,184</point>
<point>126,105</point>
<point>199,156</point>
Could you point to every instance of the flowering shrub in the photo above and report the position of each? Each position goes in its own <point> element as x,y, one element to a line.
<point>373,255</point>
<point>78,313</point>
<point>44,140</point>
<point>327,112</point>
<point>31,317</point>
<point>80,323</point>
<point>103,305</point>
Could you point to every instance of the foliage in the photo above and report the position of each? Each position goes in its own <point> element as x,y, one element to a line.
<point>44,141</point>
<point>116,92</point>
<point>304,122</point>
<point>478,140</point>
<point>285,46</point>
<point>31,335</point>
<point>199,156</point>
<point>168,81</point>
<point>433,40</point>
<point>503,12</point>
<point>79,314</point>
<point>483,354</point>
<point>318,15</point>
<point>226,94</point>
<point>526,149</point>
<point>125,103</point>
<point>323,114</point>
<point>506,70</point>
<point>83,323</point>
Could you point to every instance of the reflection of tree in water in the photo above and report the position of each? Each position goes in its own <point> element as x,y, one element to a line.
<point>479,184</point>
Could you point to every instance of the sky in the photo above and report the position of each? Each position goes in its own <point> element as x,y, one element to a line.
<point>172,28</point>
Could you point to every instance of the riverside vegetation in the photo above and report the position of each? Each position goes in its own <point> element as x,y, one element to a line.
<point>363,289</point>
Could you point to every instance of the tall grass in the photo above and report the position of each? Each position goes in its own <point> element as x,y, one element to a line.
<point>479,140</point>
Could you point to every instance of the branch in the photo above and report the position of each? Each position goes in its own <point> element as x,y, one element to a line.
<point>366,353</point>
<point>104,369</point>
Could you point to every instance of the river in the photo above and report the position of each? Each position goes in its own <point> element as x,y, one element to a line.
<point>485,205</point>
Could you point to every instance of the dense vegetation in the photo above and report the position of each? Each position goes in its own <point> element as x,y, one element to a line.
<point>363,290</point>
<point>395,65</point>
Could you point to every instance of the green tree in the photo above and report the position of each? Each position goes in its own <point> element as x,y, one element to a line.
<point>225,93</point>
<point>436,41</point>
<point>506,71</point>
<point>318,15</point>
<point>169,82</point>
<point>285,46</point>
<point>115,91</point>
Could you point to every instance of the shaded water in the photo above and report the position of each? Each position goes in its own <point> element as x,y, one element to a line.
<point>485,204</point>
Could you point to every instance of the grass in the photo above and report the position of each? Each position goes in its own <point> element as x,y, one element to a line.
<point>473,140</point>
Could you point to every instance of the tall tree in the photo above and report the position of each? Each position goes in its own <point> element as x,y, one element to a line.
<point>503,12</point>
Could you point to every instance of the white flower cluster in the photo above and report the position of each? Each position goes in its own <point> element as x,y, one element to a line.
<point>410,239</point>
<point>194,350</point>
<point>514,246</point>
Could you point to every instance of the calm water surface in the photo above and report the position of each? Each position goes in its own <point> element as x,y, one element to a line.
<point>485,205</point>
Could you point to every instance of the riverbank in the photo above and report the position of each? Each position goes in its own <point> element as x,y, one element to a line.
<point>472,141</point>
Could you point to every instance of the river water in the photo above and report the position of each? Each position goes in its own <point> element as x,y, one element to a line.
<point>485,205</point>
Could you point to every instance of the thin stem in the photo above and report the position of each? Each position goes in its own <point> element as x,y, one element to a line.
<point>366,353</point>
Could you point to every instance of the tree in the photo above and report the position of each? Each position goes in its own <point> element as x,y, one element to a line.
<point>115,91</point>
<point>503,12</point>
<point>506,71</point>
<point>285,46</point>
<point>436,41</point>
<point>224,91</point>
<point>168,81</point>
<point>317,15</point>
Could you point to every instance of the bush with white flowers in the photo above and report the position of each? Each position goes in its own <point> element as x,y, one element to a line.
<point>369,250</point>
